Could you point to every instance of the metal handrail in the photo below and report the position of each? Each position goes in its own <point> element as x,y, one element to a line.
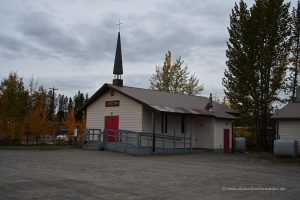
<point>129,139</point>
<point>90,135</point>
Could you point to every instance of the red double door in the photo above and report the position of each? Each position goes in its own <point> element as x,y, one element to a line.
<point>111,126</point>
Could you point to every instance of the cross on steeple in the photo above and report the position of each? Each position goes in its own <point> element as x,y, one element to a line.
<point>119,24</point>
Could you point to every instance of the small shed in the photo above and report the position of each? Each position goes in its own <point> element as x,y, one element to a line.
<point>288,122</point>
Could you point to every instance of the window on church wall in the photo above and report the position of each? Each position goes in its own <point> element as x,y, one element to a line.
<point>183,124</point>
<point>164,123</point>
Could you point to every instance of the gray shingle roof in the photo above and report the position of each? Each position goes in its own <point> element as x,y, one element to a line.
<point>289,111</point>
<point>169,102</point>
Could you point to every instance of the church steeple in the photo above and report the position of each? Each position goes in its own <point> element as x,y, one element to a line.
<point>118,66</point>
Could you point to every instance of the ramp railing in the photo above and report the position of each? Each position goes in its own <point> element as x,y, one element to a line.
<point>138,143</point>
<point>93,135</point>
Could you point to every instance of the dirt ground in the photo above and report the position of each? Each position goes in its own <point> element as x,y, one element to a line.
<point>81,174</point>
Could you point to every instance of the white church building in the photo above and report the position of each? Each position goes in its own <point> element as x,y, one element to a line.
<point>143,121</point>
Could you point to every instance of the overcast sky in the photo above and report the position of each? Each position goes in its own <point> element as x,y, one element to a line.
<point>71,44</point>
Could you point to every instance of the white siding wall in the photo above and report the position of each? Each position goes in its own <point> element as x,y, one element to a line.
<point>202,128</point>
<point>207,132</point>
<point>147,120</point>
<point>147,123</point>
<point>203,132</point>
<point>290,129</point>
<point>219,126</point>
<point>129,112</point>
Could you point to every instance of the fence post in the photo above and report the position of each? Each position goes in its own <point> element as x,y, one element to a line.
<point>164,130</point>
<point>163,142</point>
<point>191,134</point>
<point>116,133</point>
<point>174,132</point>
<point>127,139</point>
<point>137,142</point>
<point>185,133</point>
<point>99,136</point>
<point>153,131</point>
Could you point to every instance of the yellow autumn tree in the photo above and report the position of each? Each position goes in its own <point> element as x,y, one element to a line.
<point>37,124</point>
<point>225,102</point>
<point>175,78</point>
<point>70,123</point>
<point>81,125</point>
<point>36,121</point>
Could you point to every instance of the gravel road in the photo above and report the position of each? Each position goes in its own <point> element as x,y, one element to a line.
<point>81,174</point>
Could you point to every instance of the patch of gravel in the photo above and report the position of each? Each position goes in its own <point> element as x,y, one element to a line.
<point>80,174</point>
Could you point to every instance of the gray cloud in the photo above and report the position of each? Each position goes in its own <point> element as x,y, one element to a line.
<point>13,47</point>
<point>72,45</point>
<point>82,42</point>
<point>10,43</point>
<point>166,34</point>
<point>38,28</point>
<point>214,10</point>
<point>92,42</point>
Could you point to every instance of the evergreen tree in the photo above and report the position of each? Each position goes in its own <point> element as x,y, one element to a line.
<point>257,54</point>
<point>86,97</point>
<point>52,102</point>
<point>238,64</point>
<point>62,107</point>
<point>173,77</point>
<point>294,70</point>
<point>78,103</point>
<point>70,104</point>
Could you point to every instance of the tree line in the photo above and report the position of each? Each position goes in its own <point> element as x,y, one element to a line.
<point>262,61</point>
<point>35,112</point>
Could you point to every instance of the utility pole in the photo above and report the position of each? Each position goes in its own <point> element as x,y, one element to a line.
<point>52,103</point>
